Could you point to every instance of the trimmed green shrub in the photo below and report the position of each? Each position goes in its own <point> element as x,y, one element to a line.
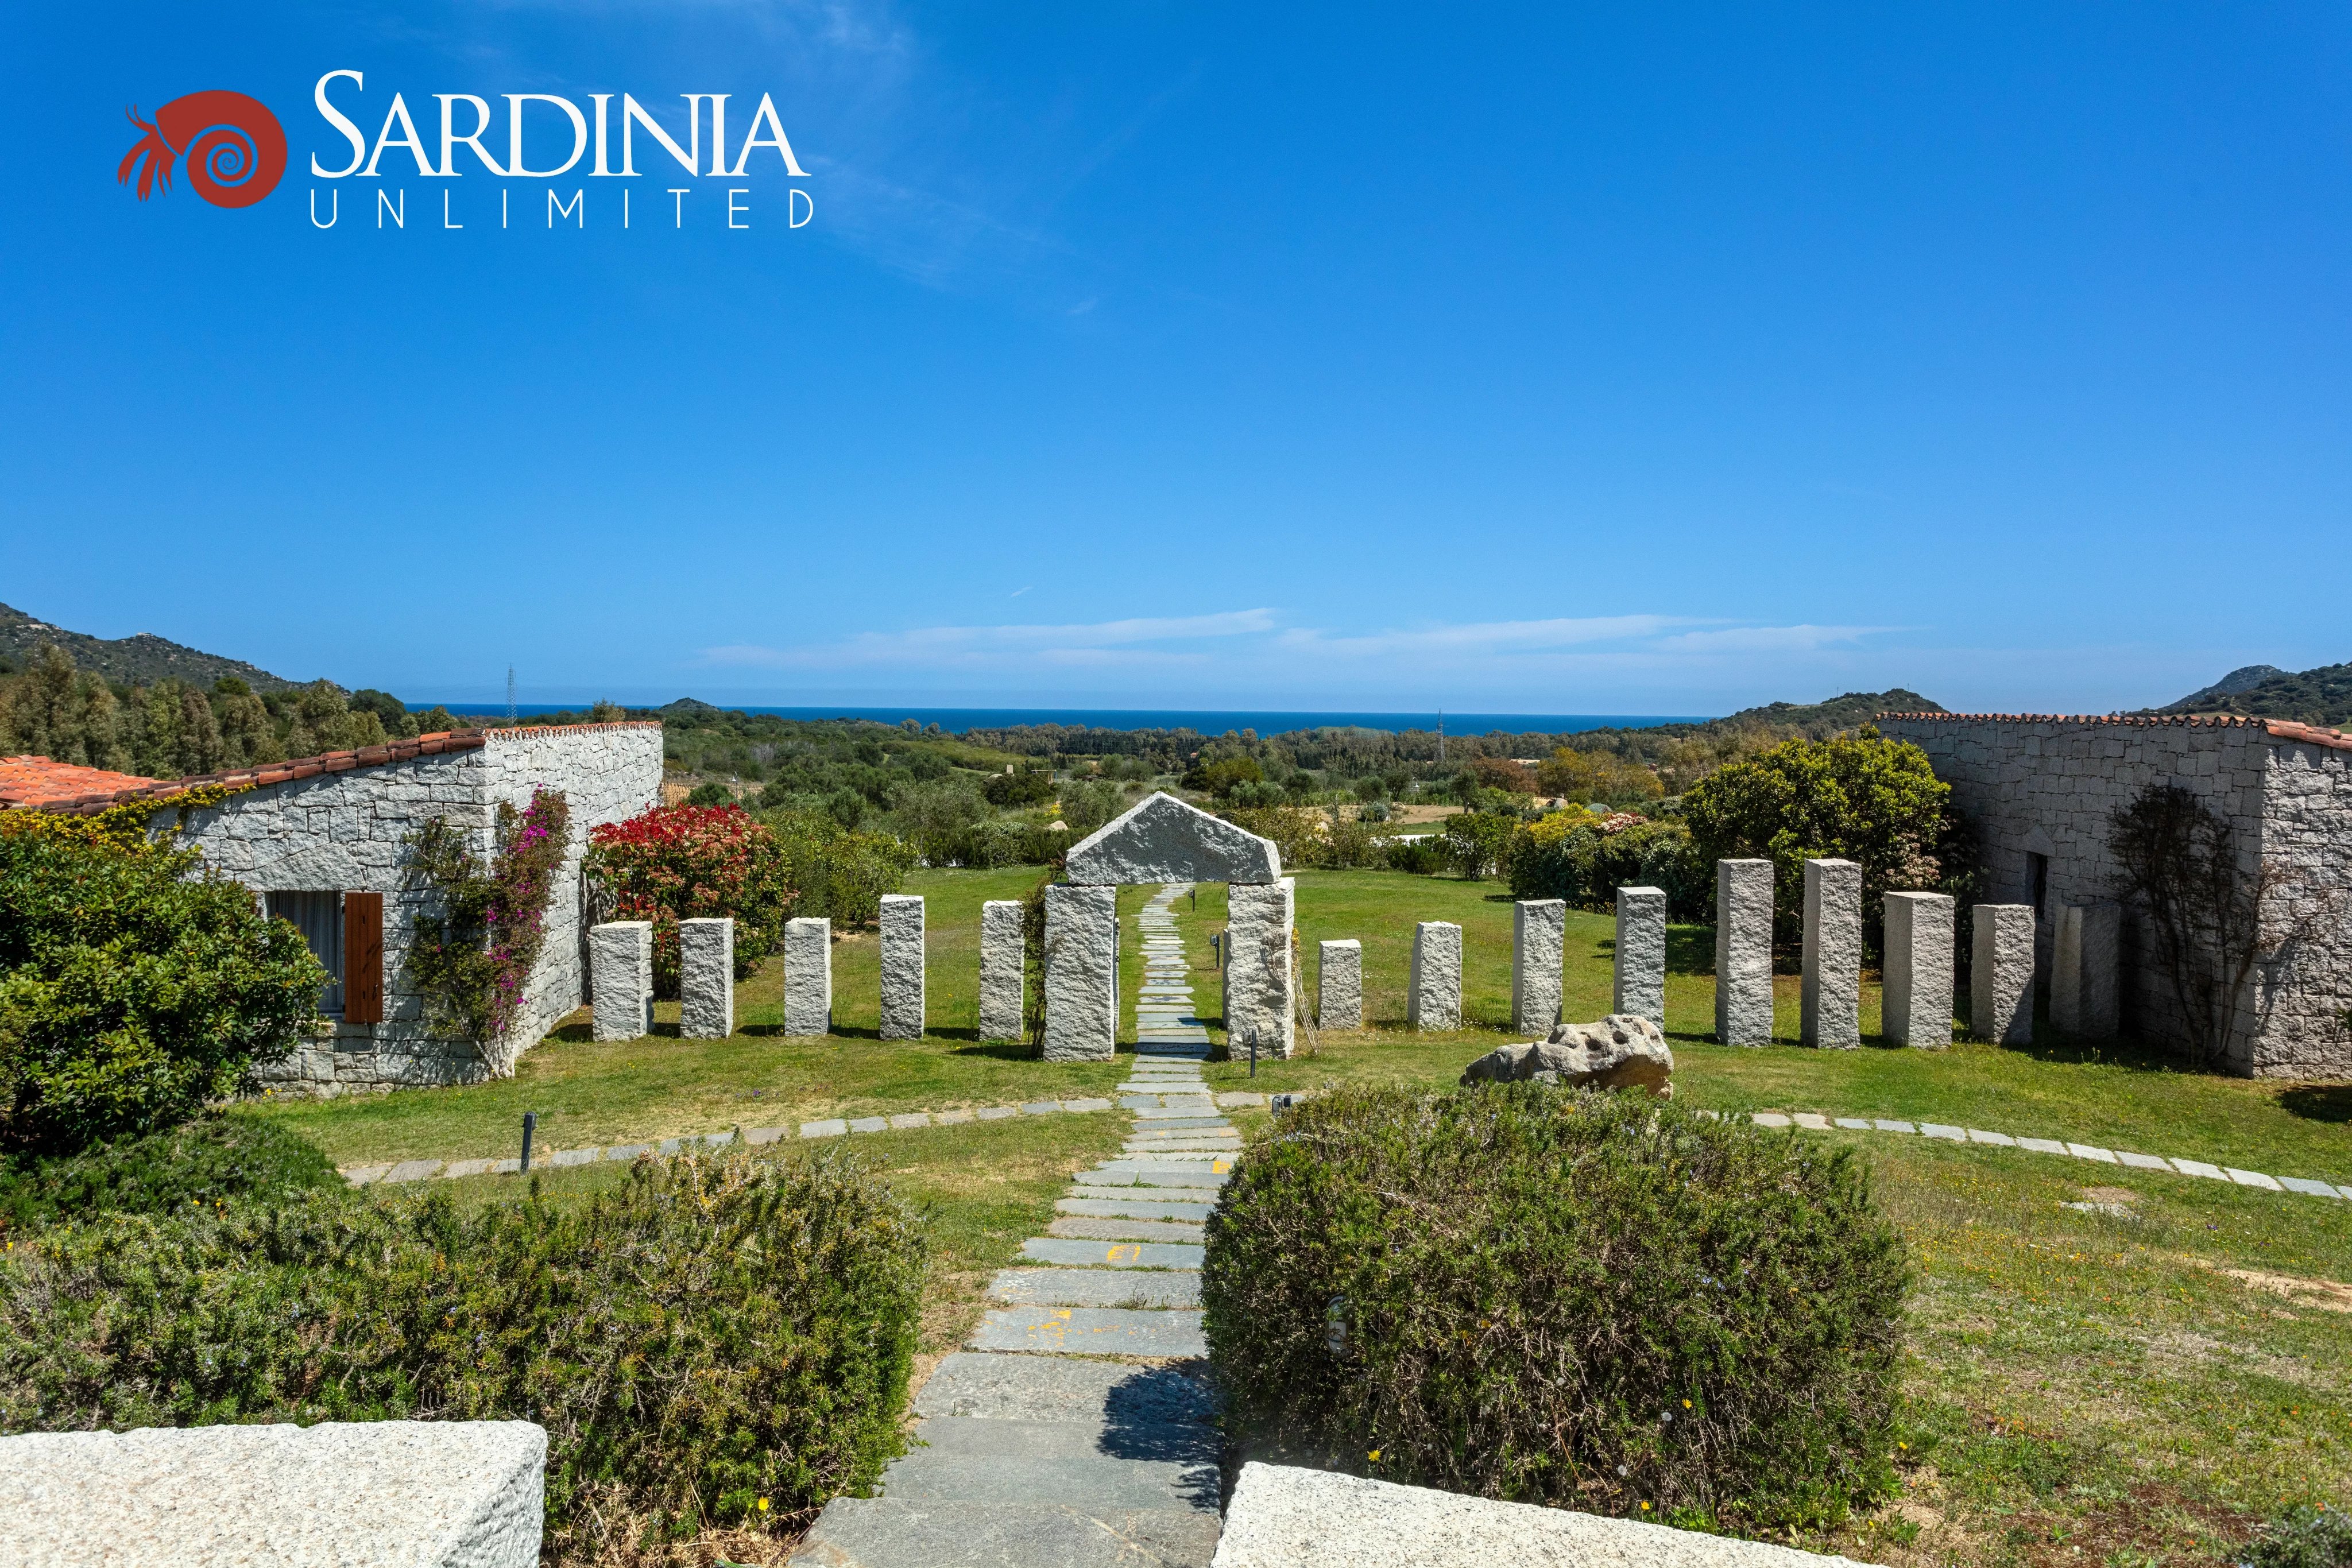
<point>713,1333</point>
<point>214,1159</point>
<point>1423,856</point>
<point>133,989</point>
<point>2303,1537</point>
<point>1591,1299</point>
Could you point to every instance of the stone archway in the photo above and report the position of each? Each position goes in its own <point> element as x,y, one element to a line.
<point>1162,840</point>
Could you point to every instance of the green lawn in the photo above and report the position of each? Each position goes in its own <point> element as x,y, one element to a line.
<point>2139,1387</point>
<point>986,1187</point>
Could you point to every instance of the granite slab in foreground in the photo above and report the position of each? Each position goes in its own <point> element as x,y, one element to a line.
<point>376,1494</point>
<point>1282,1517</point>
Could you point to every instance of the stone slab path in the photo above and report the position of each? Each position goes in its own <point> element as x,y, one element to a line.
<point>1075,1428</point>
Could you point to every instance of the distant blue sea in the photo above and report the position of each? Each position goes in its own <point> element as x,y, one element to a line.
<point>1206,721</point>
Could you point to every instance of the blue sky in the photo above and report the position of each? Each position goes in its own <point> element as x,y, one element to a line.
<point>1557,360</point>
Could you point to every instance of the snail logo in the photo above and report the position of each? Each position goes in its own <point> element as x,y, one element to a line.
<point>233,145</point>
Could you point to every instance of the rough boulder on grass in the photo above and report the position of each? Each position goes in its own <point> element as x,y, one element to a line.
<point>1618,1053</point>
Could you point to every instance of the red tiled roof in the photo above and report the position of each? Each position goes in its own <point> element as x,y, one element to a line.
<point>34,781</point>
<point>89,803</point>
<point>2277,728</point>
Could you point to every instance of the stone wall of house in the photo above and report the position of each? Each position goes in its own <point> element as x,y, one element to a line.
<point>345,831</point>
<point>2052,786</point>
<point>608,773</point>
<point>2304,993</point>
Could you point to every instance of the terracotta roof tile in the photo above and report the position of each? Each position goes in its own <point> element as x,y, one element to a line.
<point>113,790</point>
<point>2277,728</point>
<point>35,780</point>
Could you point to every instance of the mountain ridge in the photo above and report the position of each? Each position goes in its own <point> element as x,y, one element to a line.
<point>140,660</point>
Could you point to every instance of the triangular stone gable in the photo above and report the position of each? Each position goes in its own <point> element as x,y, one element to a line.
<point>1164,840</point>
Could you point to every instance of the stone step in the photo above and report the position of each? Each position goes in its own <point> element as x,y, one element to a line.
<point>1137,1287</point>
<point>1106,1395</point>
<point>1186,1444</point>
<point>1176,1116</point>
<point>1131,1208</point>
<point>1090,1331</point>
<point>1179,1104</point>
<point>1177,1150</point>
<point>893,1533</point>
<point>1071,1226</point>
<point>1183,1138</point>
<point>1093,1485</point>
<point>1086,1252</point>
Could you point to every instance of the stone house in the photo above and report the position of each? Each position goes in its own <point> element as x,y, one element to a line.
<point>2042,789</point>
<point>320,840</point>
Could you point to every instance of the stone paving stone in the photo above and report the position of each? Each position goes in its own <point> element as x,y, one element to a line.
<point>896,1533</point>
<point>571,1157</point>
<point>1084,1106</point>
<point>1012,1437</point>
<point>911,1119</point>
<point>2041,1145</point>
<point>1217,1129</point>
<point>2199,1168</point>
<point>761,1136</point>
<point>2315,1188</point>
<point>1856,1124</point>
<point>950,1118</point>
<point>1813,1120</point>
<point>1147,1148</point>
<point>870,1124</point>
<point>2141,1162</point>
<point>834,1128</point>
<point>1220,1155</point>
<point>1139,1167</point>
<point>2251,1178</point>
<point>1201,1187</point>
<point>1131,1208</point>
<point>1090,1331</point>
<point>363,1176</point>
<point>1041,1107</point>
<point>631,1151</point>
<point>992,1113</point>
<point>457,1169</point>
<point>1142,1289</point>
<point>1770,1119</point>
<point>1180,1115</point>
<point>417,1170</point>
<point>1097,1482</point>
<point>2002,1140</point>
<point>1940,1130</point>
<point>1885,1126</point>
<point>2092,1151</point>
<point>1073,1227</point>
<point>510,1166</point>
<point>1239,1097</point>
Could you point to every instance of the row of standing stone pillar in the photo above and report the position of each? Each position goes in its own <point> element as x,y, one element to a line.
<point>1916,996</point>
<point>1260,980</point>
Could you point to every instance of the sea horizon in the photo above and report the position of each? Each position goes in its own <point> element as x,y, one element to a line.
<point>1206,722</point>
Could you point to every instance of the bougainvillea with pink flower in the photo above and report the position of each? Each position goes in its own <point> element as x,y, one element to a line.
<point>685,862</point>
<point>473,953</point>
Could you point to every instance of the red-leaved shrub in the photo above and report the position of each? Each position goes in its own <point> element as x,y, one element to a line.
<point>682,863</point>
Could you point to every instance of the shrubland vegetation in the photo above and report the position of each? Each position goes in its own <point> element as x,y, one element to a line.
<point>713,1344</point>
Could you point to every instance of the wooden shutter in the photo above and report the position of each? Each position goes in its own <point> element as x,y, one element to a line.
<point>362,957</point>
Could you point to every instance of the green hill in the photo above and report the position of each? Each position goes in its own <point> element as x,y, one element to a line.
<point>131,661</point>
<point>2322,696</point>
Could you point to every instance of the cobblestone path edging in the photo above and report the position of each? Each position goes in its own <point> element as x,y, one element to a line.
<point>1821,1122</point>
<point>1075,1428</point>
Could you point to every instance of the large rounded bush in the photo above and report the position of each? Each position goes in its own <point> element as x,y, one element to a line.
<point>681,862</point>
<point>214,1159</point>
<point>1591,1299</point>
<point>134,988</point>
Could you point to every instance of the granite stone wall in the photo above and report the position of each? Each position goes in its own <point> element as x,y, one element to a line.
<point>344,832</point>
<point>2051,786</point>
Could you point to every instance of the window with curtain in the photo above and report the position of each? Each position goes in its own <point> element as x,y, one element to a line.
<point>319,918</point>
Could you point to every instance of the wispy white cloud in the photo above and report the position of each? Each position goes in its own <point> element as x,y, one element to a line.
<point>1766,639</point>
<point>1488,637</point>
